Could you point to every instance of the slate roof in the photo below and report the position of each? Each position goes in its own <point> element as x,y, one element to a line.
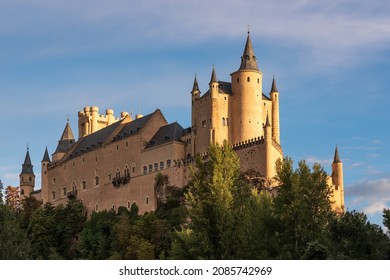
<point>46,156</point>
<point>27,167</point>
<point>66,141</point>
<point>248,58</point>
<point>96,139</point>
<point>168,133</point>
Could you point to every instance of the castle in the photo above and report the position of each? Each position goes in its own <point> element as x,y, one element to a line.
<point>114,161</point>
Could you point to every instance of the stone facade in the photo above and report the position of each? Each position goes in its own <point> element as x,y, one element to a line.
<point>115,160</point>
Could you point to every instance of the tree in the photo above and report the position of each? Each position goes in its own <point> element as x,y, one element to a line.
<point>14,244</point>
<point>302,207</point>
<point>386,219</point>
<point>12,198</point>
<point>354,237</point>
<point>216,198</point>
<point>1,193</point>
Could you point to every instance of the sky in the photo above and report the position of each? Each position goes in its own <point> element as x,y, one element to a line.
<point>331,61</point>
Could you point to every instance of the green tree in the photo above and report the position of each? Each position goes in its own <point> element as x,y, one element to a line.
<point>386,219</point>
<point>28,206</point>
<point>1,193</point>
<point>302,207</point>
<point>14,243</point>
<point>97,238</point>
<point>216,198</point>
<point>354,237</point>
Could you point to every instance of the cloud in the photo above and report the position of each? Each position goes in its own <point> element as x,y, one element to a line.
<point>313,159</point>
<point>370,195</point>
<point>331,32</point>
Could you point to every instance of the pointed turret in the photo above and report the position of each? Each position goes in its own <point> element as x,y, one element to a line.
<point>27,176</point>
<point>195,88</point>
<point>248,59</point>
<point>46,157</point>
<point>274,88</point>
<point>65,143</point>
<point>274,95</point>
<point>27,167</point>
<point>338,183</point>
<point>213,77</point>
<point>336,156</point>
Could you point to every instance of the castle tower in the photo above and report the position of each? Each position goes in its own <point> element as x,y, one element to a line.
<point>214,116</point>
<point>246,99</point>
<point>195,94</point>
<point>274,94</point>
<point>269,164</point>
<point>65,143</point>
<point>338,183</point>
<point>44,174</point>
<point>27,176</point>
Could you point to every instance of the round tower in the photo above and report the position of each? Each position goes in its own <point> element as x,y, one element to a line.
<point>45,176</point>
<point>246,99</point>
<point>214,89</point>
<point>27,176</point>
<point>338,182</point>
<point>269,163</point>
<point>274,94</point>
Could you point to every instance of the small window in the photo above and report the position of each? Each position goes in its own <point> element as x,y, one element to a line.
<point>258,80</point>
<point>127,172</point>
<point>96,180</point>
<point>96,207</point>
<point>64,190</point>
<point>127,144</point>
<point>161,165</point>
<point>248,79</point>
<point>117,147</point>
<point>128,205</point>
<point>169,162</point>
<point>30,179</point>
<point>156,166</point>
<point>238,80</point>
<point>147,200</point>
<point>22,191</point>
<point>203,123</point>
<point>53,195</point>
<point>73,163</point>
<point>133,168</point>
<point>223,121</point>
<point>145,169</point>
<point>84,185</point>
<point>150,168</point>
<point>96,159</point>
<point>113,207</point>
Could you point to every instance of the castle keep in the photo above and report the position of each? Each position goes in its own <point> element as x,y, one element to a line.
<point>114,160</point>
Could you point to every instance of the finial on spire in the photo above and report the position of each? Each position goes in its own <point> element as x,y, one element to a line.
<point>248,26</point>
<point>67,117</point>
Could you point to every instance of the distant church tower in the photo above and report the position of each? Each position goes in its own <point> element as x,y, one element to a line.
<point>27,176</point>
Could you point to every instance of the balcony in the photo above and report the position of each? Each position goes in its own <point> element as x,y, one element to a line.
<point>117,181</point>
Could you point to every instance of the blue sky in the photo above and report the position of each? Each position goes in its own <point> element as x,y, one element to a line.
<point>330,58</point>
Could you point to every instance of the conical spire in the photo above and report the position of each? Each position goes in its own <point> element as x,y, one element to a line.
<point>27,167</point>
<point>66,141</point>
<point>248,59</point>
<point>336,156</point>
<point>274,87</point>
<point>195,87</point>
<point>46,157</point>
<point>267,121</point>
<point>213,76</point>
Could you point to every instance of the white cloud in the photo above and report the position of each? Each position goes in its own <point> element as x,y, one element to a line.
<point>376,207</point>
<point>323,162</point>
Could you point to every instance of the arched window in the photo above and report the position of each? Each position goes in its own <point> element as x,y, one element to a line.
<point>117,173</point>
<point>145,169</point>
<point>248,79</point>
<point>161,165</point>
<point>128,204</point>
<point>64,191</point>
<point>156,166</point>
<point>84,185</point>
<point>147,200</point>
<point>53,195</point>
<point>127,172</point>
<point>169,162</point>
<point>223,121</point>
<point>150,168</point>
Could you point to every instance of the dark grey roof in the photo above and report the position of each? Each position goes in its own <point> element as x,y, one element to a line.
<point>274,87</point>
<point>96,139</point>
<point>168,133</point>
<point>66,141</point>
<point>27,167</point>
<point>248,58</point>
<point>46,156</point>
<point>336,156</point>
<point>213,76</point>
<point>134,126</point>
<point>225,87</point>
<point>195,87</point>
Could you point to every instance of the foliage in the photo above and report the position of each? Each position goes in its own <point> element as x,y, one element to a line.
<point>14,243</point>
<point>1,193</point>
<point>302,207</point>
